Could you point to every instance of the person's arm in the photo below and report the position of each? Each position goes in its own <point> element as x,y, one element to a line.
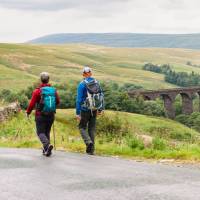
<point>57,98</point>
<point>33,101</point>
<point>79,99</point>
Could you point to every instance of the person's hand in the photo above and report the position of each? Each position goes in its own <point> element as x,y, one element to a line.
<point>78,117</point>
<point>100,112</point>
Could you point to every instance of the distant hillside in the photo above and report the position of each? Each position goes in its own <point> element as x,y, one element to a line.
<point>20,64</point>
<point>190,41</point>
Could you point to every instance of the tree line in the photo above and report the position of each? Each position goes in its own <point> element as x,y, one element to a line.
<point>182,79</point>
<point>116,98</point>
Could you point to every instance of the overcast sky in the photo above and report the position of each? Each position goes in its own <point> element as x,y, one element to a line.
<point>22,20</point>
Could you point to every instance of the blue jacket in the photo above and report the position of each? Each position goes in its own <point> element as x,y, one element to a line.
<point>81,96</point>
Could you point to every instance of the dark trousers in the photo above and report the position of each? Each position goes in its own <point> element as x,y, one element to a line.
<point>87,126</point>
<point>43,127</point>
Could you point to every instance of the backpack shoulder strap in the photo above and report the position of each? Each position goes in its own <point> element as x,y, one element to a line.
<point>87,82</point>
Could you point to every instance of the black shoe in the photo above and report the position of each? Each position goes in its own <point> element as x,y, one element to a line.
<point>91,153</point>
<point>89,148</point>
<point>48,151</point>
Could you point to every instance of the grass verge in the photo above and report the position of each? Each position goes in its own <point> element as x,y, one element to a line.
<point>118,134</point>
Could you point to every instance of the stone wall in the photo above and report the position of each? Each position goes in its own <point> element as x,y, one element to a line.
<point>8,111</point>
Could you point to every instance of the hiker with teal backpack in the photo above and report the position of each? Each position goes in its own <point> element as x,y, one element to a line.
<point>44,99</point>
<point>89,104</point>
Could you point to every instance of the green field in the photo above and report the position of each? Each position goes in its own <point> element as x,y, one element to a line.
<point>14,79</point>
<point>20,64</point>
<point>118,133</point>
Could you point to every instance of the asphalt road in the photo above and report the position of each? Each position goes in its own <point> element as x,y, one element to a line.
<point>27,175</point>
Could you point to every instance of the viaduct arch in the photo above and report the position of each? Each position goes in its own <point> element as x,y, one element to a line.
<point>169,96</point>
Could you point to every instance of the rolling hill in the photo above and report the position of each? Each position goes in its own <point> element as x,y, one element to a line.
<point>20,64</point>
<point>191,41</point>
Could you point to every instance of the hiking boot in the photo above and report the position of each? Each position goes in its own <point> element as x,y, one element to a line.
<point>91,153</point>
<point>48,151</point>
<point>92,150</point>
<point>89,148</point>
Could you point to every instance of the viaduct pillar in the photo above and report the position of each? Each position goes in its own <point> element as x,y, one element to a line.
<point>187,103</point>
<point>169,107</point>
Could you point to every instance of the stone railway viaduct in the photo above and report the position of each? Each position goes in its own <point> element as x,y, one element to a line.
<point>169,96</point>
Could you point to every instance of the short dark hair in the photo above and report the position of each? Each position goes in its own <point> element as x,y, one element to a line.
<point>44,77</point>
<point>45,80</point>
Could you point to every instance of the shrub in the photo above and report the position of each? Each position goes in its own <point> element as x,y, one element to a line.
<point>181,136</point>
<point>192,121</point>
<point>155,108</point>
<point>23,100</point>
<point>133,142</point>
<point>112,127</point>
<point>184,119</point>
<point>159,143</point>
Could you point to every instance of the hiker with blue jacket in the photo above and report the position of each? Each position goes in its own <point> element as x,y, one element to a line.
<point>44,99</point>
<point>89,104</point>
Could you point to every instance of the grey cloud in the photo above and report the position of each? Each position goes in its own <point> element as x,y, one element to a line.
<point>55,5</point>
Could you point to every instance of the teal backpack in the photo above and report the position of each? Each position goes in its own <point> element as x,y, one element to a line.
<point>48,100</point>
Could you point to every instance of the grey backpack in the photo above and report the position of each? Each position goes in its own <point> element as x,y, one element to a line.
<point>95,97</point>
